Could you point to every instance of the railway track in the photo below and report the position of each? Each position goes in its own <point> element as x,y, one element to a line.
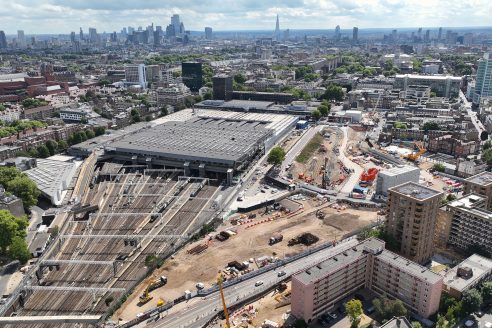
<point>121,197</point>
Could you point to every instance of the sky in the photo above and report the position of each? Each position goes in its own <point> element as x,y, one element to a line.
<point>64,16</point>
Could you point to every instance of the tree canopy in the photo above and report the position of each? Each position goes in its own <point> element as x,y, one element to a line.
<point>354,311</point>
<point>387,309</point>
<point>430,125</point>
<point>276,156</point>
<point>333,92</point>
<point>316,114</point>
<point>19,184</point>
<point>12,234</point>
<point>472,300</point>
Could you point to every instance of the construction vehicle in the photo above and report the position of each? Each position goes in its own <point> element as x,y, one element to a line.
<point>145,297</point>
<point>220,280</point>
<point>369,176</point>
<point>275,238</point>
<point>320,215</point>
<point>161,302</point>
<point>415,156</point>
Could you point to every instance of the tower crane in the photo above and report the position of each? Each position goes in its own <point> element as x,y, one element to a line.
<point>220,280</point>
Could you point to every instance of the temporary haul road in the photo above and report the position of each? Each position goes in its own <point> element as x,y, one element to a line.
<point>201,310</point>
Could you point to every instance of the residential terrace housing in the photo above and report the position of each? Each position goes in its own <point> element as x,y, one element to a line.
<point>364,265</point>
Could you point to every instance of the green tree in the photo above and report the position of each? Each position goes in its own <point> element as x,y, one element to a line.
<point>18,250</point>
<point>62,145</point>
<point>239,78</point>
<point>487,156</point>
<point>400,125</point>
<point>208,95</point>
<point>487,144</point>
<point>354,311</point>
<point>316,114</point>
<point>25,189</point>
<point>33,152</point>
<point>43,151</point>
<point>90,134</point>
<point>431,125</point>
<point>52,146</point>
<point>2,108</point>
<point>333,92</point>
<point>8,230</point>
<point>323,109</point>
<point>416,324</point>
<point>472,300</point>
<point>486,292</point>
<point>438,167</point>
<point>276,156</point>
<point>99,130</point>
<point>387,309</point>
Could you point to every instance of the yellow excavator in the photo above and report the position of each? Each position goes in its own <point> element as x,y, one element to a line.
<point>415,156</point>
<point>145,297</point>
<point>220,280</point>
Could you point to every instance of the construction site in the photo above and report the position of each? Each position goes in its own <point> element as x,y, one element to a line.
<point>126,218</point>
<point>317,164</point>
<point>247,242</point>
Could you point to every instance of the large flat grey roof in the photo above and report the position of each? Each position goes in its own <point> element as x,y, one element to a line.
<point>415,190</point>
<point>480,266</point>
<point>198,137</point>
<point>482,179</point>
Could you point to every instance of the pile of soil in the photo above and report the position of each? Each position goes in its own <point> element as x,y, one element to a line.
<point>306,239</point>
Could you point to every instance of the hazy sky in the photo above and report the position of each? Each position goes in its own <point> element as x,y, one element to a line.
<point>63,16</point>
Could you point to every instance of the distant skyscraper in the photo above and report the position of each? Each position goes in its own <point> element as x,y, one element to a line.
<point>439,36</point>
<point>93,37</point>
<point>81,34</point>
<point>277,30</point>
<point>483,85</point>
<point>427,36</point>
<point>394,35</point>
<point>208,33</point>
<point>338,35</point>
<point>72,37</point>
<point>355,34</point>
<point>3,40</point>
<point>175,22</point>
<point>21,39</point>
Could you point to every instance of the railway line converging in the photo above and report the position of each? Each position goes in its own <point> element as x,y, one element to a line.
<point>100,256</point>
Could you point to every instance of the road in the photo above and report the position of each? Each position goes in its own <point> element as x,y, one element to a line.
<point>353,179</point>
<point>468,106</point>
<point>202,310</point>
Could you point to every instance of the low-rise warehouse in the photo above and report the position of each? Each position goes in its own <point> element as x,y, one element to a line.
<point>204,143</point>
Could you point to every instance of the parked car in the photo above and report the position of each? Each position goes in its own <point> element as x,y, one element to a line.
<point>281,274</point>
<point>259,283</point>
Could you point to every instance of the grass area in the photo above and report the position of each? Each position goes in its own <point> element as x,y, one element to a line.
<point>310,148</point>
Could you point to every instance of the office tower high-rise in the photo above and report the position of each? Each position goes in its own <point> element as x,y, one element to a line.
<point>3,40</point>
<point>222,87</point>
<point>181,28</point>
<point>439,35</point>
<point>338,35</point>
<point>81,34</point>
<point>191,73</point>
<point>355,34</point>
<point>427,36</point>
<point>411,219</point>
<point>72,37</point>
<point>483,84</point>
<point>93,36</point>
<point>394,35</point>
<point>175,22</point>
<point>277,30</point>
<point>208,33</point>
<point>21,39</point>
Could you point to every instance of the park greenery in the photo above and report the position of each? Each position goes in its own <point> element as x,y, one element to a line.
<point>19,184</point>
<point>438,167</point>
<point>333,92</point>
<point>7,130</point>
<point>431,125</point>
<point>400,125</point>
<point>386,308</point>
<point>32,103</point>
<point>452,310</point>
<point>12,237</point>
<point>276,156</point>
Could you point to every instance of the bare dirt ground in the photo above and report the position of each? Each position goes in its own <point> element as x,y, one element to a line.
<point>313,166</point>
<point>185,270</point>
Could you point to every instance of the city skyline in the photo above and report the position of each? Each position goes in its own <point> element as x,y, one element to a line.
<point>58,17</point>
